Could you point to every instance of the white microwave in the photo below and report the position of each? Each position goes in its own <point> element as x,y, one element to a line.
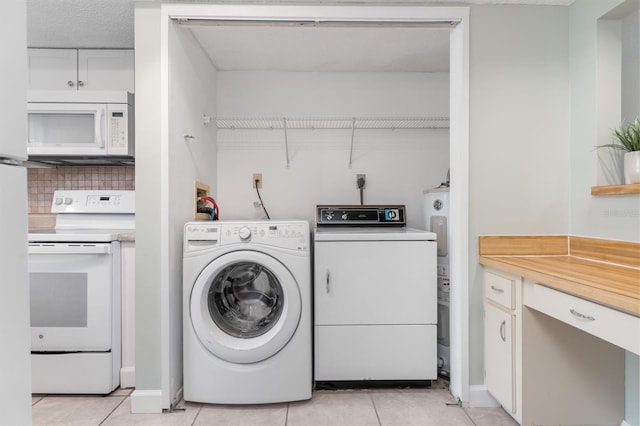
<point>81,124</point>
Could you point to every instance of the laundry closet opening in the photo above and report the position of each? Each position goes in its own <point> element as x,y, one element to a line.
<point>311,103</point>
<point>310,97</point>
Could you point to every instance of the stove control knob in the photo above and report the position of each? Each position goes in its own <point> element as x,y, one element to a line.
<point>68,200</point>
<point>244,233</point>
<point>58,201</point>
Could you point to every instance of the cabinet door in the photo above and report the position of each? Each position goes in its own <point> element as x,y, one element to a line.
<point>53,69</point>
<point>381,282</point>
<point>105,69</point>
<point>499,355</point>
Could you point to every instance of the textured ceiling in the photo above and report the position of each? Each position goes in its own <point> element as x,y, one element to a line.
<point>109,24</point>
<point>325,49</point>
<point>80,23</point>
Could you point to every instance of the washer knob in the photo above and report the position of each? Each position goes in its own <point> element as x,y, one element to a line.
<point>68,200</point>
<point>58,201</point>
<point>244,233</point>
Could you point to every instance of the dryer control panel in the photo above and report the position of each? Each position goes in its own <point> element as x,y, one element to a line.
<point>378,215</point>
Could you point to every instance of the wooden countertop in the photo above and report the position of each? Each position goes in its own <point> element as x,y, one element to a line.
<point>584,275</point>
<point>127,236</point>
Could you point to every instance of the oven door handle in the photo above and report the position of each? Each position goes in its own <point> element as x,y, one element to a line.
<point>68,248</point>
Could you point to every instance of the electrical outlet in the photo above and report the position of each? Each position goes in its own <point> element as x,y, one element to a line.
<point>364,180</point>
<point>257,181</point>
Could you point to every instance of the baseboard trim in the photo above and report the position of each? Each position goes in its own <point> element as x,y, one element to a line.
<point>479,396</point>
<point>178,397</point>
<point>128,377</point>
<point>146,401</point>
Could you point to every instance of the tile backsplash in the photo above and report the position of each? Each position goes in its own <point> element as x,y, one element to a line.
<point>43,182</point>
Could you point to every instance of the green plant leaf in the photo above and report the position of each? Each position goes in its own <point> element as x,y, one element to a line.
<point>628,137</point>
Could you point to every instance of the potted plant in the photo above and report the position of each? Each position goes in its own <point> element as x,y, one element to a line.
<point>628,137</point>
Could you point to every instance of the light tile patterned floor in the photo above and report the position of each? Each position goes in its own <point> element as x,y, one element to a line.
<point>376,407</point>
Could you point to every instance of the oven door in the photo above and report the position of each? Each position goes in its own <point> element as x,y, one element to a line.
<point>71,296</point>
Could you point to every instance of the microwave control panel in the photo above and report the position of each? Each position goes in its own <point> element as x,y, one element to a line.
<point>118,129</point>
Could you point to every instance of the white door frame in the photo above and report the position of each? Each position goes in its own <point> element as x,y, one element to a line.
<point>459,146</point>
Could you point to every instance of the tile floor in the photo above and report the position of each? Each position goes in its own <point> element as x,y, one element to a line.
<point>375,407</point>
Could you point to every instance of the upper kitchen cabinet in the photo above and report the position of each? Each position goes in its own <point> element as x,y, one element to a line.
<point>81,69</point>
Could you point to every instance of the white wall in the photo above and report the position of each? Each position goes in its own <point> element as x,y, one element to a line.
<point>399,164</point>
<point>519,135</point>
<point>614,217</point>
<point>191,95</point>
<point>147,395</point>
<point>175,87</point>
<point>630,62</point>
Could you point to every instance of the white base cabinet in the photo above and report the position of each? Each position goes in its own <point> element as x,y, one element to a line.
<point>499,355</point>
<point>545,368</point>
<point>502,338</point>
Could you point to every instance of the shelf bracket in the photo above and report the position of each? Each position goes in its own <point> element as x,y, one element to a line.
<point>353,130</point>
<point>286,141</point>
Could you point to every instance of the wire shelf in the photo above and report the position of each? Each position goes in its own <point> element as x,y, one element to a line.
<point>311,123</point>
<point>328,123</point>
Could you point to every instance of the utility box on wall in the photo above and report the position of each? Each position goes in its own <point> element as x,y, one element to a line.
<point>200,190</point>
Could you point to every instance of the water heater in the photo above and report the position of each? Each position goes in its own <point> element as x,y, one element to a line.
<point>436,213</point>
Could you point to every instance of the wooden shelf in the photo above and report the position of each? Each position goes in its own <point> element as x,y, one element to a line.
<point>633,188</point>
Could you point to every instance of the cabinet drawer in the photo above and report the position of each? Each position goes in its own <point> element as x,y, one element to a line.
<point>499,288</point>
<point>615,327</point>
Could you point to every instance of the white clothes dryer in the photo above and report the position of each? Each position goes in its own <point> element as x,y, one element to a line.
<point>247,312</point>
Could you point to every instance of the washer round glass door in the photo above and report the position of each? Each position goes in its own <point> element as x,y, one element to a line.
<point>245,306</point>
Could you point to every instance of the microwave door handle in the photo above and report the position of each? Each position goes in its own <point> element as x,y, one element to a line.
<point>102,125</point>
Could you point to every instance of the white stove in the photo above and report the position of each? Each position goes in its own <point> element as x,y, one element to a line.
<point>89,216</point>
<point>75,292</point>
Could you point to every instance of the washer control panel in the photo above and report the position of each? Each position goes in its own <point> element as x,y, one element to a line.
<point>293,235</point>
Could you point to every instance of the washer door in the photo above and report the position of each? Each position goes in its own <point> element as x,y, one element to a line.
<point>245,306</point>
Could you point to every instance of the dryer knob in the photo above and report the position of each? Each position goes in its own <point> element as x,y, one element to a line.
<point>244,233</point>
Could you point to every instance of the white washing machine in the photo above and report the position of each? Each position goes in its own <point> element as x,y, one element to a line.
<point>247,312</point>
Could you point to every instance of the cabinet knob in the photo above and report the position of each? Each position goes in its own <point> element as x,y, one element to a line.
<point>70,83</point>
<point>80,83</point>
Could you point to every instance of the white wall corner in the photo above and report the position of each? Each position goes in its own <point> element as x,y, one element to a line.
<point>128,377</point>
<point>146,401</point>
<point>479,396</point>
